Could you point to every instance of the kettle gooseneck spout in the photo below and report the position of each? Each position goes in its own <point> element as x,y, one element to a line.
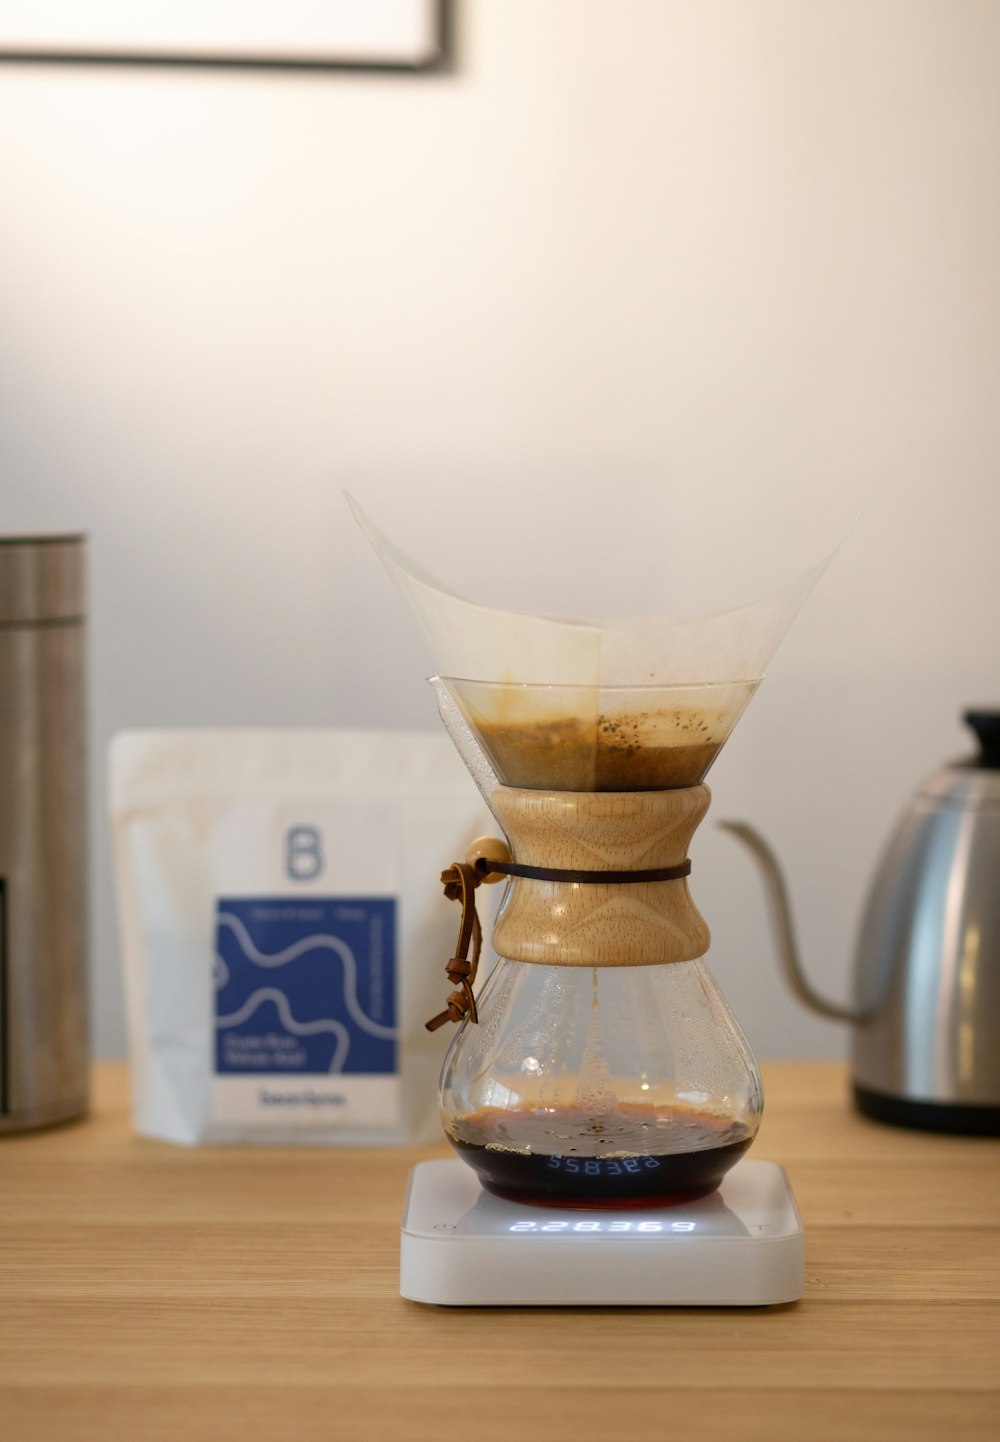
<point>784,930</point>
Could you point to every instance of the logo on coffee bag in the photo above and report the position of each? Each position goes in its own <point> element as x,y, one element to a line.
<point>305,986</point>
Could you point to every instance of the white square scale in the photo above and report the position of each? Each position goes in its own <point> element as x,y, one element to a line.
<point>739,1247</point>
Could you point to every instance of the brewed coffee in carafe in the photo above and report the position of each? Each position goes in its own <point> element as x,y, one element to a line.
<point>600,1065</point>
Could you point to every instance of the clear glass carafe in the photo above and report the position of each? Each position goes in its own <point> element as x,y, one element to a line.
<point>617,1075</point>
<point>607,1086</point>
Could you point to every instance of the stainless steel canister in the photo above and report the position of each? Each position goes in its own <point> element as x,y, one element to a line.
<point>43,831</point>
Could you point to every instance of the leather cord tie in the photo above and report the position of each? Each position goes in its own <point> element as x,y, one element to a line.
<point>583,878</point>
<point>460,882</point>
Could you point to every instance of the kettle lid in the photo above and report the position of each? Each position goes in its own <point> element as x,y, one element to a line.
<point>975,781</point>
<point>986,724</point>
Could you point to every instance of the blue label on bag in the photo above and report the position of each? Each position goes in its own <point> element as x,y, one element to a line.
<point>305,986</point>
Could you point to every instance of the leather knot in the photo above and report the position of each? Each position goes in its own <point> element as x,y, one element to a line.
<point>458,1005</point>
<point>460,882</point>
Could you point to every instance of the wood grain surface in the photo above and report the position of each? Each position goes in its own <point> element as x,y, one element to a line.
<point>150,1292</point>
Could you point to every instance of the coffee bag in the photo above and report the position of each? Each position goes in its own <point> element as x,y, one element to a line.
<point>283,930</point>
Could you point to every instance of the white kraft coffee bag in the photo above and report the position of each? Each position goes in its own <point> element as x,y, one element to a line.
<point>284,931</point>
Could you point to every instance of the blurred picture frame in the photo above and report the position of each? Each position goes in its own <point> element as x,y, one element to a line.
<point>282,34</point>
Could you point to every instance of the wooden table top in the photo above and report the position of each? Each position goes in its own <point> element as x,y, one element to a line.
<point>149,1292</point>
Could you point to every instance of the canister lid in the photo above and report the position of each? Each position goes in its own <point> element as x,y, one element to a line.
<point>42,579</point>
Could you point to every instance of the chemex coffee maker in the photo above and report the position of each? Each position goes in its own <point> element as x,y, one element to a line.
<point>598,1093</point>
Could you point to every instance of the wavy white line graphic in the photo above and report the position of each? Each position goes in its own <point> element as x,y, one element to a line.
<point>309,943</point>
<point>298,1028</point>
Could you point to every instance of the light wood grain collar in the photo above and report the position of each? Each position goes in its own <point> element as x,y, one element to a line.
<point>560,923</point>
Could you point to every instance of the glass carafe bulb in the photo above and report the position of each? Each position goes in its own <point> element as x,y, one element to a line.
<point>601,1086</point>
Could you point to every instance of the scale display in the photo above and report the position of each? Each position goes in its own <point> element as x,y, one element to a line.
<point>645,1228</point>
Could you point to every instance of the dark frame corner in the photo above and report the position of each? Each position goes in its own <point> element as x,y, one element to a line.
<point>441,62</point>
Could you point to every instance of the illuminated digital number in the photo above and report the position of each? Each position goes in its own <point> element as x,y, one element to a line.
<point>616,1226</point>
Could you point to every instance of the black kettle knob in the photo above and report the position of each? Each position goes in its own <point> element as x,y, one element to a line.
<point>986,725</point>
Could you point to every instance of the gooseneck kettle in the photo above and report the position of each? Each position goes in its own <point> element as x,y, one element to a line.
<point>926,1013</point>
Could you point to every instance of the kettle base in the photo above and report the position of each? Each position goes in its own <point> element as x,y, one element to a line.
<point>957,1117</point>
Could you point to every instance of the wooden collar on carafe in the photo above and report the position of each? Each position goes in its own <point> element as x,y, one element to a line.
<point>597,878</point>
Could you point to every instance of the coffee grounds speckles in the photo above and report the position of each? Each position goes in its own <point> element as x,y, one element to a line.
<point>634,751</point>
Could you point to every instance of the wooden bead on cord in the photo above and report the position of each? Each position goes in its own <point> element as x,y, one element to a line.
<point>486,849</point>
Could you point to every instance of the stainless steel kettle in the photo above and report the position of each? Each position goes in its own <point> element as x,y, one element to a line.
<point>926,1014</point>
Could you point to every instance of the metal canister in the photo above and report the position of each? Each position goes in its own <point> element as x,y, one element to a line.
<point>44,1051</point>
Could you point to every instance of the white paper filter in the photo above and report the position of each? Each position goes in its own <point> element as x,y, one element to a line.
<point>483,643</point>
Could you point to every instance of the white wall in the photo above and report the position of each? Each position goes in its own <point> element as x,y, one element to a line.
<point>633,268</point>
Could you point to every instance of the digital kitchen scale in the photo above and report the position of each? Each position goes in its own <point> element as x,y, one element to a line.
<point>739,1247</point>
